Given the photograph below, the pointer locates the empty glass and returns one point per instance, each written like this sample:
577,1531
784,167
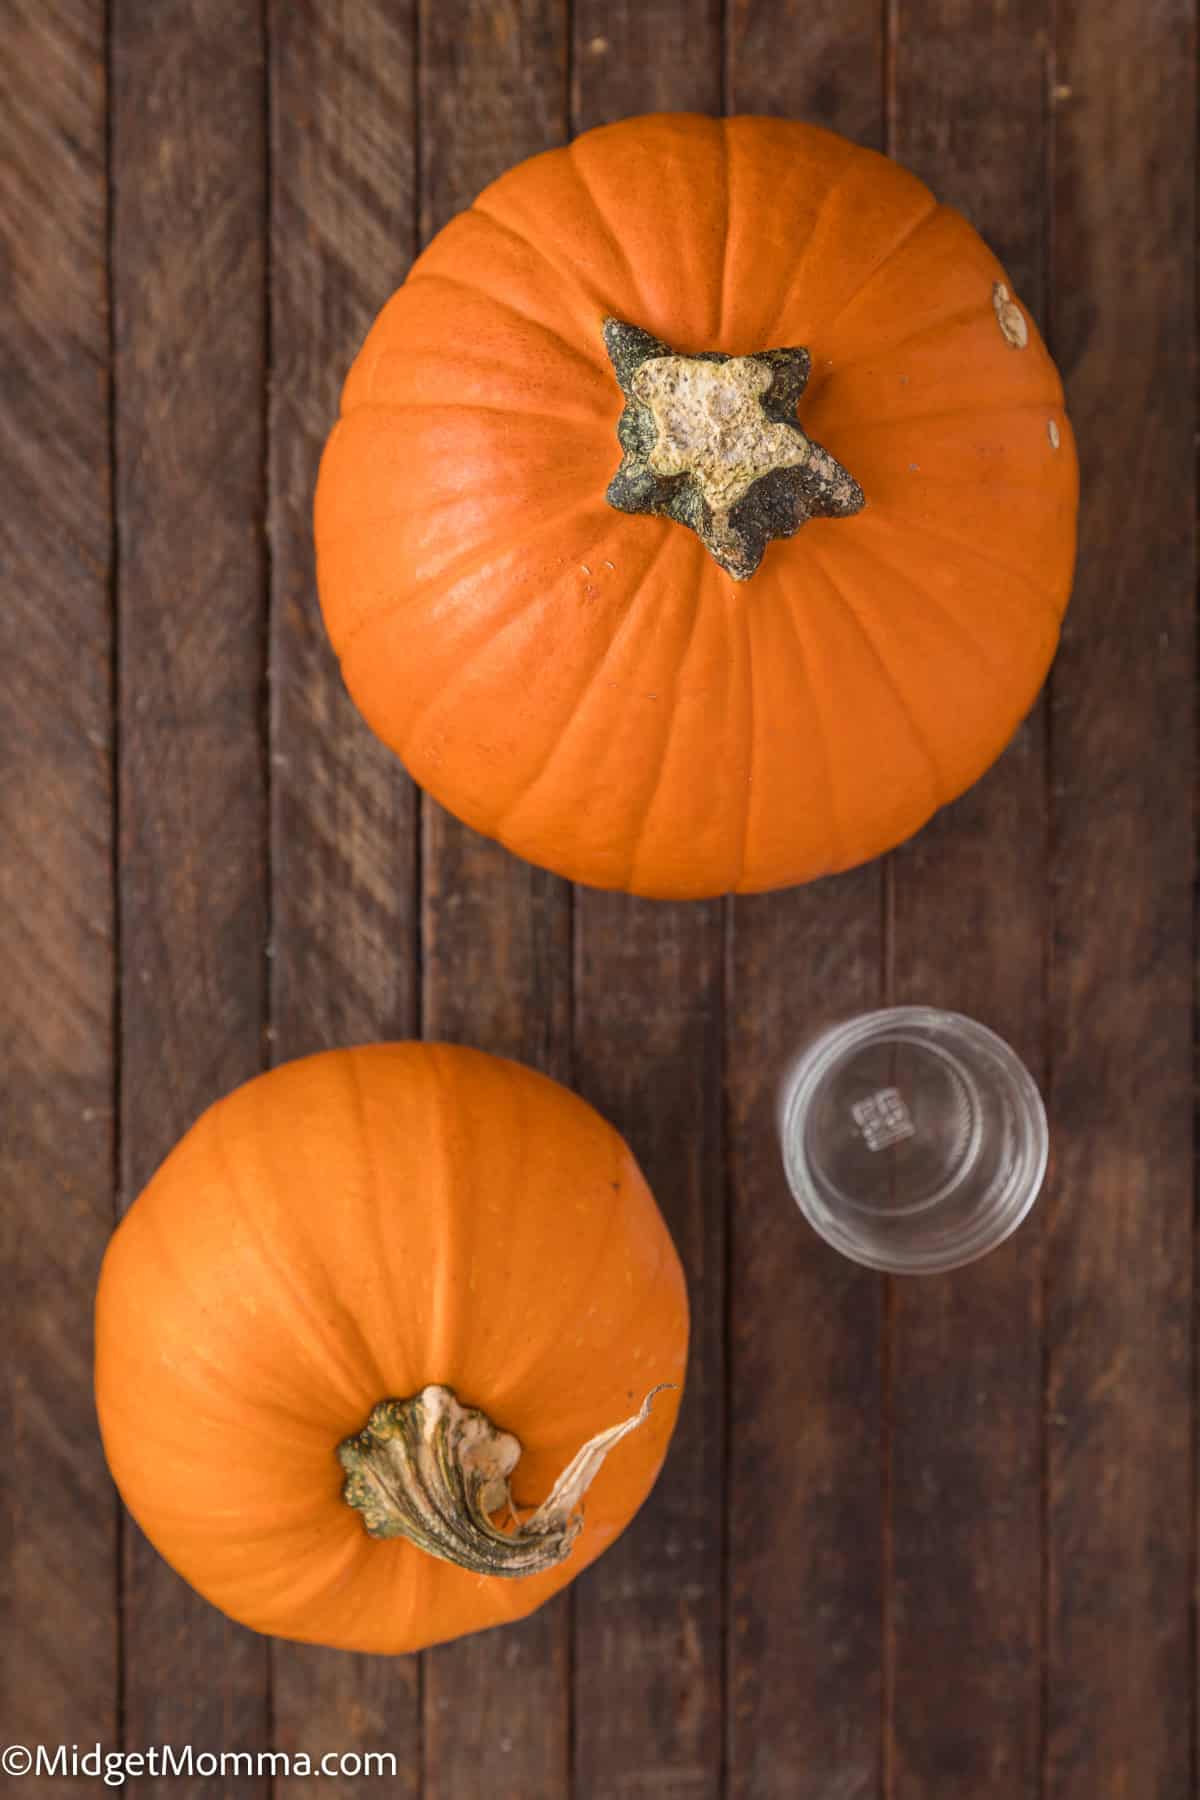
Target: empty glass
914,1140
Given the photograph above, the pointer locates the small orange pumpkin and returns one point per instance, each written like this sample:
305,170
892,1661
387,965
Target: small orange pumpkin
701,512
362,1292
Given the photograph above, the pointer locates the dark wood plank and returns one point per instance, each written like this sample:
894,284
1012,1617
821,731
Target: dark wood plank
496,932
343,838
57,972
343,812
1119,1300
806,1347
963,1661
188,289
823,63
807,1327
649,1616
642,56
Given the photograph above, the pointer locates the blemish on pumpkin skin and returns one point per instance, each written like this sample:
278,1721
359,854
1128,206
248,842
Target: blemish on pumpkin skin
1053,434
1009,317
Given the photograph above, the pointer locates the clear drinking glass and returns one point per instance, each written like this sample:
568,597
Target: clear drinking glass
914,1140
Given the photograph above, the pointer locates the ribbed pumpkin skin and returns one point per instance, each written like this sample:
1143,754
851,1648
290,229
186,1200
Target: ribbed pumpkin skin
346,1229
589,686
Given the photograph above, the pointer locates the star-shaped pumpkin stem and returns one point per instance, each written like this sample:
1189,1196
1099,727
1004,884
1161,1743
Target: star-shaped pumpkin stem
712,442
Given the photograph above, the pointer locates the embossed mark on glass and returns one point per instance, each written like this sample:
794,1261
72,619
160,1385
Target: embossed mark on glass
883,1119
914,1140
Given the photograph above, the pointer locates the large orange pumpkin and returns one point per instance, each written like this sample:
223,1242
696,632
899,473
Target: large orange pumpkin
806,598
305,1323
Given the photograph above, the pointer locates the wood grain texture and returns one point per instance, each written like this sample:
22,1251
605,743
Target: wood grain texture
804,1492
968,932
649,1614
648,1021
343,811
343,828
188,153
797,59
57,960
1119,1298
805,1495
642,56
496,932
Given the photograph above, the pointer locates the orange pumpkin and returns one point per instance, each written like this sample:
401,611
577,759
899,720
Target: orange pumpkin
804,601
362,1292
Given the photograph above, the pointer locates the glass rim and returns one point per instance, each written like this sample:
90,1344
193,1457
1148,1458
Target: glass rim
1017,1194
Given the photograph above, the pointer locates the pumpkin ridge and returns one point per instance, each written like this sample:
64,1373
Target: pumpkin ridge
646,806
567,275
966,315
916,226
301,1592
267,1603
504,1394
369,372
776,329
592,674
489,637
467,406
373,1191
268,1520
180,1271
216,1380
812,687
929,479
752,751
267,1511
610,232
896,421
443,1347
928,599
964,545
312,1334
438,587
918,737
463,563
494,299
346,1316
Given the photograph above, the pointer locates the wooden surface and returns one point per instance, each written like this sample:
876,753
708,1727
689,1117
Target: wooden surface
916,1540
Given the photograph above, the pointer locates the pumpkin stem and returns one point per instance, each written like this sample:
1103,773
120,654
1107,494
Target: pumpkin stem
712,442
435,1471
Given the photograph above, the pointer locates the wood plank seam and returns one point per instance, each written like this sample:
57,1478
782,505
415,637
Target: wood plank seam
1048,972
119,1202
